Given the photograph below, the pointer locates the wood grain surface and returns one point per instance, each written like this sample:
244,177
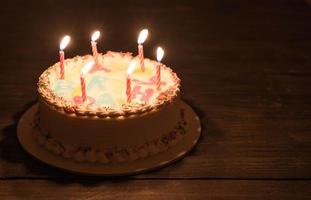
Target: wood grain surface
245,68
155,189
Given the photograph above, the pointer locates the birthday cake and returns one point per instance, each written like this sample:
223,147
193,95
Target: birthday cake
109,126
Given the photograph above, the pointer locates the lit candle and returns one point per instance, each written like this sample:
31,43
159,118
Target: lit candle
160,54
62,46
141,39
130,70
94,37
86,68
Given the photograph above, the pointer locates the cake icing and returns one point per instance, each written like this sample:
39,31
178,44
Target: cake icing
107,86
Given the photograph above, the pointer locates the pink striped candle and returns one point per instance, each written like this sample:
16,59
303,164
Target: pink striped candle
141,57
94,48
94,37
62,46
160,54
128,89
83,90
158,76
141,39
84,71
61,64
130,70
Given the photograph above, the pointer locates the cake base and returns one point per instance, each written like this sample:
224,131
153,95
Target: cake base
25,134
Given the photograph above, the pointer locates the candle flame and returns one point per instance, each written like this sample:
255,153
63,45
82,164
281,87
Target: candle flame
160,54
64,42
142,36
95,36
131,67
87,67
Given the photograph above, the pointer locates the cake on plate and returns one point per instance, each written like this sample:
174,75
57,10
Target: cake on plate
108,127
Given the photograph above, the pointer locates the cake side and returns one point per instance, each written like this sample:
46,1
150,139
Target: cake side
100,133
85,153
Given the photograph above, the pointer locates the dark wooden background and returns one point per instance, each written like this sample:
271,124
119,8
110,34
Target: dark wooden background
245,67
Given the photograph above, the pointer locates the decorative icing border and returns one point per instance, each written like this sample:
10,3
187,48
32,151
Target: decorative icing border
59,103
89,154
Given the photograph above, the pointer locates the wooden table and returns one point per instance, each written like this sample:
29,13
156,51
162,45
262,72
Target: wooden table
245,67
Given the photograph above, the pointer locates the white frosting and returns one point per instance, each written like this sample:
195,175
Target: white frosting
88,154
108,88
